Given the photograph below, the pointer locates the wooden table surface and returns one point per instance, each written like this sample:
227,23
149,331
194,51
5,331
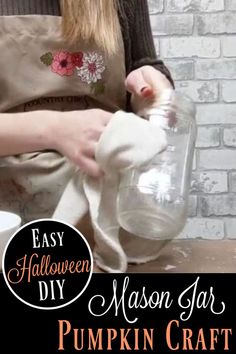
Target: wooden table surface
184,256
193,256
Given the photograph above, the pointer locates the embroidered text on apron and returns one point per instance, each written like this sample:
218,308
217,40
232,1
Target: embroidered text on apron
40,71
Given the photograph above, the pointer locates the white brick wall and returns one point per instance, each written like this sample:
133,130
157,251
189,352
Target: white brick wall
187,47
208,137
216,69
231,5
233,182
200,91
228,89
230,137
197,41
210,182
229,46
194,5
220,23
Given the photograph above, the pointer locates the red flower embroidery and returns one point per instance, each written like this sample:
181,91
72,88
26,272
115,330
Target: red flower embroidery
77,59
62,64
89,67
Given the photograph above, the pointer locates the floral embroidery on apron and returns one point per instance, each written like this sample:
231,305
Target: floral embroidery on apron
88,66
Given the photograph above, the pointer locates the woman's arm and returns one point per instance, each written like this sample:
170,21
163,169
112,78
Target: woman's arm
73,134
149,76
26,132
142,44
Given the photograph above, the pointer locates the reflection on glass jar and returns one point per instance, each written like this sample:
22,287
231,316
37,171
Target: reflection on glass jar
153,200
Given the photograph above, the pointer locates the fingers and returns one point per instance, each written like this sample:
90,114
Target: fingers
136,84
147,92
91,167
96,119
87,161
146,82
107,118
89,149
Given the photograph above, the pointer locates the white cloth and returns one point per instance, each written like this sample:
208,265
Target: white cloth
127,142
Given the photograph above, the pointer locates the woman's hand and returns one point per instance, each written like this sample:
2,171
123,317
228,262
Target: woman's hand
76,135
73,134
146,85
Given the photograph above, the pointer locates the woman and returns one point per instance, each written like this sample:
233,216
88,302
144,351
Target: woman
65,69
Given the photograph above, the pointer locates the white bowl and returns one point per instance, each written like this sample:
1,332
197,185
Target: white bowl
9,223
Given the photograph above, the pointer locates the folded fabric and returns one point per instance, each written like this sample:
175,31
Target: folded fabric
127,142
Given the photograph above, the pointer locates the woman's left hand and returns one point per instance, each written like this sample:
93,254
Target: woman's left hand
146,85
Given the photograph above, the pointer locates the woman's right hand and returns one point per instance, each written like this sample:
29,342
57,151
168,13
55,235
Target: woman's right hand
76,135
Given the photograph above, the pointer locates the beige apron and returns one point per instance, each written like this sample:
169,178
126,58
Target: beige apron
40,71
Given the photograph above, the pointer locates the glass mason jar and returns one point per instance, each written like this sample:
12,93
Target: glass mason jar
153,200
